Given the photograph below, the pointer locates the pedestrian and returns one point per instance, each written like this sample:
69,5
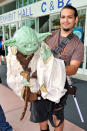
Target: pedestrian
4,125
2,68
72,53
2,51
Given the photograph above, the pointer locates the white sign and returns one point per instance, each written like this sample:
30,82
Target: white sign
37,9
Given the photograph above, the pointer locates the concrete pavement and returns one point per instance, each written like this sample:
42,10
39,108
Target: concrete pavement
13,107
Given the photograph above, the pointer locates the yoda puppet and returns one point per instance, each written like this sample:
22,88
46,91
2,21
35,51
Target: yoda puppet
23,54
32,69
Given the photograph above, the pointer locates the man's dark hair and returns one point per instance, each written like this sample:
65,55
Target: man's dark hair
72,8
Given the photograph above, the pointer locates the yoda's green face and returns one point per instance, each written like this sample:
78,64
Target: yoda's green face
26,40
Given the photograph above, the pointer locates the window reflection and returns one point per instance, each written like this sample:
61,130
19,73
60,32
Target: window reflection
44,24
13,29
25,2
30,23
6,29
55,22
7,36
81,25
86,57
1,33
81,22
21,3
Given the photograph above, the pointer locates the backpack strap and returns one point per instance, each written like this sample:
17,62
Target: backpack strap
62,44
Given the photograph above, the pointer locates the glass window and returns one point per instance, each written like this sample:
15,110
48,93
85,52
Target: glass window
44,24
23,22
55,22
7,36
80,27
6,29
30,23
1,33
9,7
32,1
0,10
19,24
38,0
13,29
17,4
20,3
25,2
86,57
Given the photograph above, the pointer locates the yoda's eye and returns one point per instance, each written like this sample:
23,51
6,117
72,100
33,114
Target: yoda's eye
25,46
34,43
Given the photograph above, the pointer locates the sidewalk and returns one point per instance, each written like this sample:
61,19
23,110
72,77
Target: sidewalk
80,77
13,107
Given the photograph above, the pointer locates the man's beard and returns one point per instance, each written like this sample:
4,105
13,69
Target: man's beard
66,29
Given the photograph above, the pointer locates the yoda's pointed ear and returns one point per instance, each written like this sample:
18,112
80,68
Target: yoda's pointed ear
42,36
10,42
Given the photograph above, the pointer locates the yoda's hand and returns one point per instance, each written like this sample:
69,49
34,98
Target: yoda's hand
45,52
25,75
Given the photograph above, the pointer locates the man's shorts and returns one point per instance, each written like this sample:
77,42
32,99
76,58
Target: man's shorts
2,52
42,110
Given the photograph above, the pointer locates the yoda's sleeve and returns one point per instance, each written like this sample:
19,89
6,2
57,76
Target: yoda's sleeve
14,80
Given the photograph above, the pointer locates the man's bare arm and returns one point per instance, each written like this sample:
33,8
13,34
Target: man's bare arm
73,67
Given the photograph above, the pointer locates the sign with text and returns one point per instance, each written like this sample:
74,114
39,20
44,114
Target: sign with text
34,10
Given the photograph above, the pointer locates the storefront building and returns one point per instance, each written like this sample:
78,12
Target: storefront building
43,16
